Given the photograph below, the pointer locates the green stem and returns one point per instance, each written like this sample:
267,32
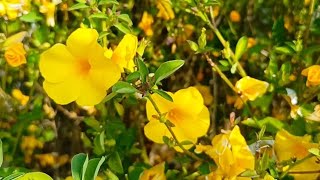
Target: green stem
4,77
171,131
311,9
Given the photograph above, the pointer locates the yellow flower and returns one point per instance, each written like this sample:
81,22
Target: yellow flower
231,154
187,112
313,74
251,42
235,16
48,8
288,146
15,54
154,173
251,88
84,73
17,94
146,23
125,51
11,9
165,9
46,160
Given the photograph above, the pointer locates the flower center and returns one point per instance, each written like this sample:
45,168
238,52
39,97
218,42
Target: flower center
174,115
83,67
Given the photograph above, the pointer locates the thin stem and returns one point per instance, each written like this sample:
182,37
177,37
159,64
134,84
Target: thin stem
4,77
311,9
171,131
222,75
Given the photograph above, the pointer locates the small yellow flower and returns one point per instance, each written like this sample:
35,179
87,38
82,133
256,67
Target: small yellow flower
46,160
251,88
11,9
125,51
288,146
154,173
190,123
235,16
85,74
48,8
231,154
313,75
146,23
17,94
251,42
165,9
15,55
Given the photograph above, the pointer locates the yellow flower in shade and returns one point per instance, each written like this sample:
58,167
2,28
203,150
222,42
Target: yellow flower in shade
154,173
146,23
48,8
251,88
165,9
231,154
313,75
15,54
125,51
206,94
85,74
187,112
235,16
11,9
17,94
288,146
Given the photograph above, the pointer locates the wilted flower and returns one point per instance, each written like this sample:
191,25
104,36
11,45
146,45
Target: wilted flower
231,154
146,23
124,52
154,173
288,146
313,75
15,54
85,74
189,123
251,88
17,94
165,9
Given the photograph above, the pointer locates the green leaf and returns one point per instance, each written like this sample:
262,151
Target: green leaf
103,34
123,28
114,162
93,123
35,176
234,68
166,140
241,47
186,142
110,175
133,76
166,69
14,176
204,168
284,50
224,63
109,97
99,16
125,18
278,31
93,168
1,153
144,72
194,46
99,144
77,165
163,94
102,2
315,151
78,6
123,88
31,17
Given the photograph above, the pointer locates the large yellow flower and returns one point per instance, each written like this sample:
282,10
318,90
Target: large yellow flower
125,51
154,173
78,71
251,88
288,146
231,154
313,74
187,112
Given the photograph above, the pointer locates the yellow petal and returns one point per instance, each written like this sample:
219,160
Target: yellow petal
63,92
187,98
56,64
163,105
154,173
155,130
16,38
165,9
251,88
125,51
202,122
82,41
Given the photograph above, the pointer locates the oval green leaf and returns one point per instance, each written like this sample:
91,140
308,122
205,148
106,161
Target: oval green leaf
166,69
